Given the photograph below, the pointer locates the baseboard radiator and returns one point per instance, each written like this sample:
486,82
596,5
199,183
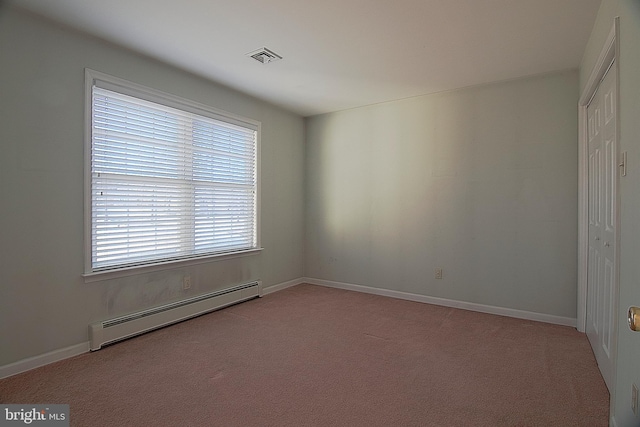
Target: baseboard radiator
123,327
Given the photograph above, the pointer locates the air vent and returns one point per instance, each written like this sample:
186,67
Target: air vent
264,55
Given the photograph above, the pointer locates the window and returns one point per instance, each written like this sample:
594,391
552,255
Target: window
168,179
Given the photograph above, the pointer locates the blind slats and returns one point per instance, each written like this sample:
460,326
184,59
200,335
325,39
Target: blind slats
167,184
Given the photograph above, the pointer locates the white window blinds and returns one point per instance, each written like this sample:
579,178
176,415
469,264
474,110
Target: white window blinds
167,183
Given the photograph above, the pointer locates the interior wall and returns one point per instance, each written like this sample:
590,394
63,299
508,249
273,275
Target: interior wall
481,182
628,350
44,303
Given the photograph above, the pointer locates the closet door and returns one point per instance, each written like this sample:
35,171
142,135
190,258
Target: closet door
603,176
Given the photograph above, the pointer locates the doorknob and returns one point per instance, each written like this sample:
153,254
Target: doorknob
597,238
634,318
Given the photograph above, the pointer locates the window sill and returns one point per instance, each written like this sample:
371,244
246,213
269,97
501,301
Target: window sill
149,268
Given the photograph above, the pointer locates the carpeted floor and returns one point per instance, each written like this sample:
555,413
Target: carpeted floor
314,356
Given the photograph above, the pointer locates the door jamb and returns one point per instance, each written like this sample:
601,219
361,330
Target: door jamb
609,53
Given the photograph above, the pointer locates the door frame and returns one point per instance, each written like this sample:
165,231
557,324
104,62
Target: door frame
608,54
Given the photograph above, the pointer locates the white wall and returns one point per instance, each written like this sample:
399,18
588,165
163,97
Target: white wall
44,303
628,351
481,182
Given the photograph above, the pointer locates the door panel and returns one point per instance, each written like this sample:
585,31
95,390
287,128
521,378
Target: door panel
607,307
602,204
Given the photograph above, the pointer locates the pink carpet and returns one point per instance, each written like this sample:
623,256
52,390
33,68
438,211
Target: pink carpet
314,356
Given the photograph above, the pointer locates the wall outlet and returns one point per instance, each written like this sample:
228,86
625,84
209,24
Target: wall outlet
186,282
634,399
438,273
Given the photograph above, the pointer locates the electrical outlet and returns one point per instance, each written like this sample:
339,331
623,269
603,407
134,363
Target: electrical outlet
186,282
634,399
438,273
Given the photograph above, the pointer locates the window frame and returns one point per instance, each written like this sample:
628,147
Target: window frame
125,87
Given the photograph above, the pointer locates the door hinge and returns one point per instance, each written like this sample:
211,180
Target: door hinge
623,164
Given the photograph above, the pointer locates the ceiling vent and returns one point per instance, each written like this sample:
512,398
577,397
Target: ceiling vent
264,55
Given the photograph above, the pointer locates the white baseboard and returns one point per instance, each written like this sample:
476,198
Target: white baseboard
43,359
501,311
65,353
75,350
280,286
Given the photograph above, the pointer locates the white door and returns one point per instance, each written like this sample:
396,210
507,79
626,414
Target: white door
603,178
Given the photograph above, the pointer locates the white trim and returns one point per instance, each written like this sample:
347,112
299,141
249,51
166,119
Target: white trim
43,359
154,95
78,349
583,225
607,55
88,87
165,265
501,311
613,421
75,350
123,86
281,286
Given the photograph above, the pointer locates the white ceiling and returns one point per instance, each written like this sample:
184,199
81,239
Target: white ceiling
340,54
